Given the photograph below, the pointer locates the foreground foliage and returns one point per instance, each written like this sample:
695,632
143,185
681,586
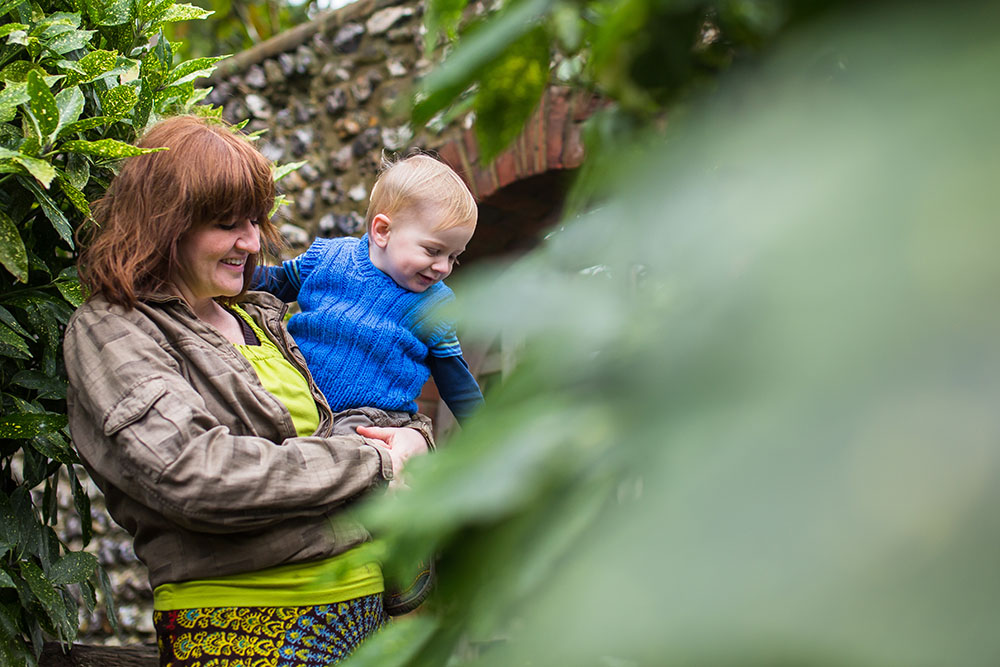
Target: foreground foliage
79,82
754,416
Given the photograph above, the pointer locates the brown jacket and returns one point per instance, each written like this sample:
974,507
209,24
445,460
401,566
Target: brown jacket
195,458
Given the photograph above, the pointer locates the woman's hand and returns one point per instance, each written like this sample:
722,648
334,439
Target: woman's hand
403,443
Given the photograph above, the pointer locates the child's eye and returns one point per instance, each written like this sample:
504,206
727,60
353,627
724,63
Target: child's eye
433,252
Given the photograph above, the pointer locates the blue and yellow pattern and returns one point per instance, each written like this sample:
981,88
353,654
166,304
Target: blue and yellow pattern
308,636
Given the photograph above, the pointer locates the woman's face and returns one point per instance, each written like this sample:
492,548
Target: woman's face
211,259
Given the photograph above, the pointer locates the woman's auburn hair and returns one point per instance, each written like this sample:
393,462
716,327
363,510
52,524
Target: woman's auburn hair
208,174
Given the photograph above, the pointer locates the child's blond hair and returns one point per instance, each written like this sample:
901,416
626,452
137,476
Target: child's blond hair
418,182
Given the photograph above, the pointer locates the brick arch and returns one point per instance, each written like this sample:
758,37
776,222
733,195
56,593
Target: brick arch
552,140
521,192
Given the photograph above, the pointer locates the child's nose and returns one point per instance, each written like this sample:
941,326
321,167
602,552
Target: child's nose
442,265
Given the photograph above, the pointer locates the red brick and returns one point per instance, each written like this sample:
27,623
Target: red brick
573,149
486,182
558,111
506,168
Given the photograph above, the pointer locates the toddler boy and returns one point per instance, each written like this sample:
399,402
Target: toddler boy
369,326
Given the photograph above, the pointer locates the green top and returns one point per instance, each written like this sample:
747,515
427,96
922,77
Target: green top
280,378
345,577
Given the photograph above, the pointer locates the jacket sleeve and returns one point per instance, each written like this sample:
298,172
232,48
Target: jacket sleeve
142,427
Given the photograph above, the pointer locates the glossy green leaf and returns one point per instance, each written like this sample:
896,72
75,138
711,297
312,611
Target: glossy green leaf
17,71
149,10
113,13
10,529
183,13
77,198
8,28
95,64
26,425
280,171
47,595
108,148
68,284
13,95
152,71
77,170
73,568
46,386
81,502
85,124
43,171
52,211
118,101
54,446
5,580
12,253
12,344
70,41
70,103
109,597
44,110
6,317
192,69
142,109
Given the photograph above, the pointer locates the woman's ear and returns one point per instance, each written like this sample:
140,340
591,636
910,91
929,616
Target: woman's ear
379,230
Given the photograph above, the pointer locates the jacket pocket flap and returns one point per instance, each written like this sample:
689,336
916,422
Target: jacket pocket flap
133,404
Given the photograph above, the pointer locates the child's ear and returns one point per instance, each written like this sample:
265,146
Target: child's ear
379,230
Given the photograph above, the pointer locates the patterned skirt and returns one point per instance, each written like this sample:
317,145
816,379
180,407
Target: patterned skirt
266,636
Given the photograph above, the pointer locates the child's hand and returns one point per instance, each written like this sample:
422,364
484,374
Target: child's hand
403,443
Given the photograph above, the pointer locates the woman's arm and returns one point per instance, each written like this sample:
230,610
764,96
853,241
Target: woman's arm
139,423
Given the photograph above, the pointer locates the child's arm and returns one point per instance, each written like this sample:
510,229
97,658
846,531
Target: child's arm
282,281
455,383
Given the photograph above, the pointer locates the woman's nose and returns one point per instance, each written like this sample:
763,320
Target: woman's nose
249,240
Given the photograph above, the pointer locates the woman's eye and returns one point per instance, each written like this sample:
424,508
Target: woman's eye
226,227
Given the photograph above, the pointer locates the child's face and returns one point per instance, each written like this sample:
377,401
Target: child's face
415,254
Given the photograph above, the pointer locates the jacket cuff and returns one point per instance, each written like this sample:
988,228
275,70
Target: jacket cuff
422,424
385,461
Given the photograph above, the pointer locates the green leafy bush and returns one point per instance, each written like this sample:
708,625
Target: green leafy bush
80,80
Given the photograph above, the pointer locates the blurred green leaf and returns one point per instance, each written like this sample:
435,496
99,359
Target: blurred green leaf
510,90
470,58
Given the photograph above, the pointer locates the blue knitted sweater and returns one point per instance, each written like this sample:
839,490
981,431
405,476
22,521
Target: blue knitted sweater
365,338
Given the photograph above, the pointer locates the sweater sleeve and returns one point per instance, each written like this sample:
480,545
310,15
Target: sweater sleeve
457,386
282,281
141,426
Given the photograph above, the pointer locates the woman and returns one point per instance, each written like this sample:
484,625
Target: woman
195,413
